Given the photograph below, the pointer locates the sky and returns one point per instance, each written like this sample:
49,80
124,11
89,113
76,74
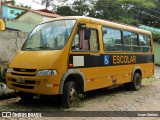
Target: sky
34,5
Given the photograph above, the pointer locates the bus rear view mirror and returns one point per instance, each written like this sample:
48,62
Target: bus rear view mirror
87,33
82,26
104,32
2,26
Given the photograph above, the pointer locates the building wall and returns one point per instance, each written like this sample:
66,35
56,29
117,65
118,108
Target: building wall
31,18
46,19
11,13
156,53
10,43
24,27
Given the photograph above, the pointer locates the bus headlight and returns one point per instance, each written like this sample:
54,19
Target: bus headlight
9,70
46,72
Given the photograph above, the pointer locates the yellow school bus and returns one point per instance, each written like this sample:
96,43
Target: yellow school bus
69,55
2,26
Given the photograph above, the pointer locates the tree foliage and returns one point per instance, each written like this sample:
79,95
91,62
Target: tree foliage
65,11
156,37
13,2
80,8
47,3
132,12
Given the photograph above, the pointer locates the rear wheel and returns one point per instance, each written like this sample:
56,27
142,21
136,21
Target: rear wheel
69,96
26,96
135,84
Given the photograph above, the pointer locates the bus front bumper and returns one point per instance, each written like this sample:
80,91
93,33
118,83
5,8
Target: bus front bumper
46,85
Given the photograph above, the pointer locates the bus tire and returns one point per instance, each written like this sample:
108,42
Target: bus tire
135,84
69,96
26,96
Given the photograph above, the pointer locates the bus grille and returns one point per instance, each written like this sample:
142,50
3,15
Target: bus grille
23,86
25,81
20,74
24,72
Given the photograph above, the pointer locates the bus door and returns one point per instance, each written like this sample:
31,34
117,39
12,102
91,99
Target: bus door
85,55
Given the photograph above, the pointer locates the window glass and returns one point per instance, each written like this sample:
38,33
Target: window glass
93,40
50,35
130,38
89,43
12,11
144,40
76,42
145,43
112,39
130,41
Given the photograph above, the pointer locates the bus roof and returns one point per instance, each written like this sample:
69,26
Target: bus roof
107,23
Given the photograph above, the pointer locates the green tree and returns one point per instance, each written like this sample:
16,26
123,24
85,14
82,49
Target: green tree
80,7
132,12
156,12
65,11
47,3
140,10
13,2
127,11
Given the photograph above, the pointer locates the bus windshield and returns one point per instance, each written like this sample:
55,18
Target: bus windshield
49,36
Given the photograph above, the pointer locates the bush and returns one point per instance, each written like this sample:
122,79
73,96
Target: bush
156,37
2,79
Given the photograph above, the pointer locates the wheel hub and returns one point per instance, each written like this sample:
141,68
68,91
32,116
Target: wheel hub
72,95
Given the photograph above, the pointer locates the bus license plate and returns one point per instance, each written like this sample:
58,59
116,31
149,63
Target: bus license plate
20,80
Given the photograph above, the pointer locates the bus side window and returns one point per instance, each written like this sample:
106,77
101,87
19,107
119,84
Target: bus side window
76,42
93,40
130,41
85,40
145,43
112,39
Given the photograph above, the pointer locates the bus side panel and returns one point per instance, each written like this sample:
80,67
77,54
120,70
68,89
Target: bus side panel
99,75
147,70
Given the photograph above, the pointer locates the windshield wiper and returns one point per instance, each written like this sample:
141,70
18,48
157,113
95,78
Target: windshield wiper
35,48
44,48
28,49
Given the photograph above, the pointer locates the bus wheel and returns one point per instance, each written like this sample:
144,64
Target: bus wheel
26,96
135,84
69,96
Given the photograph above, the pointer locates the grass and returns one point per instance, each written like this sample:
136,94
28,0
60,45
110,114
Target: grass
79,99
149,80
157,54
2,79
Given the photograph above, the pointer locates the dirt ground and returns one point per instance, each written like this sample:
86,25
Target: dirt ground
117,99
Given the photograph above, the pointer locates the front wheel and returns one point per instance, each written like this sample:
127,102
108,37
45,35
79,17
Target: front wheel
135,84
69,96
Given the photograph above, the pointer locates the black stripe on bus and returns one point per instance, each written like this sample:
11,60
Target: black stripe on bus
99,60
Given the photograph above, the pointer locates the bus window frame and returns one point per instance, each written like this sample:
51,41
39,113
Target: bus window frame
131,45
122,40
98,40
49,22
151,46
115,44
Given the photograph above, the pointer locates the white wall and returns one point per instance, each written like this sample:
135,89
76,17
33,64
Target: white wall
10,43
46,19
